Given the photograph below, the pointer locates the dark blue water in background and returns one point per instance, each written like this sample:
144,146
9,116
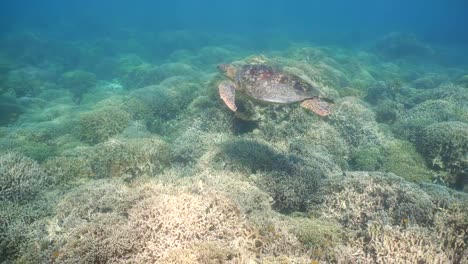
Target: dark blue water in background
345,22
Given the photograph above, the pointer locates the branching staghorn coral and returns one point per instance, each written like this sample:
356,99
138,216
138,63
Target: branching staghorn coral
391,221
20,177
99,125
445,146
356,124
358,198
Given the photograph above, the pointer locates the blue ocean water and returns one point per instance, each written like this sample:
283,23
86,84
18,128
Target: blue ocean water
240,131
436,20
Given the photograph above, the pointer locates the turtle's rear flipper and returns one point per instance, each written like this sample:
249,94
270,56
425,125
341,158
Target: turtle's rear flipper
317,105
227,91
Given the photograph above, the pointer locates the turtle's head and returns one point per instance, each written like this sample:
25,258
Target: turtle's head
228,69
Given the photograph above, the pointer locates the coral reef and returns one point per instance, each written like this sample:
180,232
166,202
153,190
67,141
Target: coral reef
384,209
401,158
21,178
103,197
138,76
357,125
158,104
116,158
99,214
10,110
18,220
28,81
382,91
103,240
388,111
249,156
315,232
445,146
396,245
358,198
368,159
113,224
25,196
101,124
210,218
78,82
400,45
463,81
428,81
189,146
413,121
119,150
130,158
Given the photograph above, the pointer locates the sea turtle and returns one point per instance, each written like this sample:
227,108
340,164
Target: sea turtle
269,84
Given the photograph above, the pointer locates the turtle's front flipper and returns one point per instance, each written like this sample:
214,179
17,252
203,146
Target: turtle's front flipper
227,91
317,105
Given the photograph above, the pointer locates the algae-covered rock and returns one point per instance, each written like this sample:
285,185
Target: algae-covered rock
82,227
322,140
